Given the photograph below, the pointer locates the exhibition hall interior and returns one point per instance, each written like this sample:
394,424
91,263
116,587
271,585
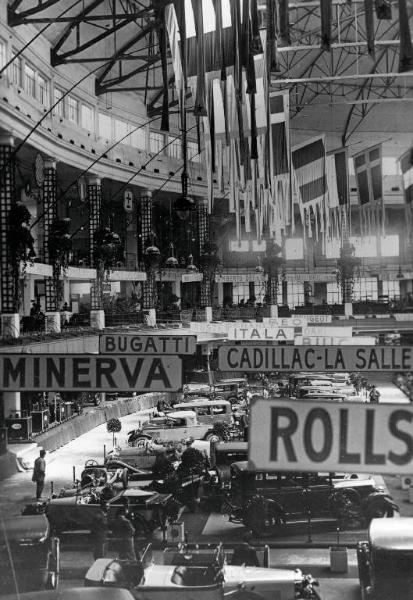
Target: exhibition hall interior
206,299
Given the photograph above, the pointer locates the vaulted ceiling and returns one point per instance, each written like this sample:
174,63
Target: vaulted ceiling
349,89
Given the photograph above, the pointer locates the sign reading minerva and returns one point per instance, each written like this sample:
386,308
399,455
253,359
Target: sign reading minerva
325,436
121,343
54,372
315,358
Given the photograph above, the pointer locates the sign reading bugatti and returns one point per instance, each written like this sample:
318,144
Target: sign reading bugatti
146,344
315,358
54,372
327,436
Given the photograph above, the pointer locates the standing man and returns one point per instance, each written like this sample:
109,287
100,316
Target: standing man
123,532
39,473
99,532
374,394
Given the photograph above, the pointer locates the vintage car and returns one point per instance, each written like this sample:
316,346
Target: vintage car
178,426
191,391
29,554
264,501
207,411
74,593
236,581
148,510
232,390
385,560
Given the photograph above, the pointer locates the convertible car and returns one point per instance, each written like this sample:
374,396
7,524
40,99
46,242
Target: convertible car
147,509
256,582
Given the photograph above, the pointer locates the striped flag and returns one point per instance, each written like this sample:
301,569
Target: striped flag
309,163
368,172
406,165
279,120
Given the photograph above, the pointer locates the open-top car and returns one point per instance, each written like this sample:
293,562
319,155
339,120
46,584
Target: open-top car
264,501
147,509
29,555
237,581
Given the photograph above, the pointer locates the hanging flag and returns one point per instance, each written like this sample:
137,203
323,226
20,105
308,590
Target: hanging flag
369,19
279,166
338,191
406,165
406,48
383,9
368,173
309,164
325,7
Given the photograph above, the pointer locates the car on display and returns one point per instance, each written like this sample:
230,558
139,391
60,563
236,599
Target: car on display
232,390
74,593
207,411
191,391
148,510
179,426
29,554
309,392
218,483
265,501
196,576
385,560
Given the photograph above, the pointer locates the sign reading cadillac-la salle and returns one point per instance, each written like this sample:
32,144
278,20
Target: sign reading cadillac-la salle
54,372
315,358
121,343
331,436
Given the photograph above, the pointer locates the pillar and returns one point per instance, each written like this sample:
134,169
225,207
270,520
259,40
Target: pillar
94,200
146,231
8,271
272,294
52,321
204,237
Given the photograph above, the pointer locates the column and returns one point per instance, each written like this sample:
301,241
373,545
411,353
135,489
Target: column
272,292
149,286
94,200
9,271
52,322
204,238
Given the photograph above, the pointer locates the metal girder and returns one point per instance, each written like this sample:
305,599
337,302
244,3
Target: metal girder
85,17
121,78
156,97
157,110
14,18
101,85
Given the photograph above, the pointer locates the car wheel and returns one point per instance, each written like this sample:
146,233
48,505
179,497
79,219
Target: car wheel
262,517
213,437
347,505
140,442
125,478
380,508
233,399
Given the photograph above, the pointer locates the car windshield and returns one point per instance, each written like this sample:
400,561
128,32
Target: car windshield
227,458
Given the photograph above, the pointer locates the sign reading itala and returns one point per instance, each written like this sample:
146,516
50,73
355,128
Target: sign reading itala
54,372
315,358
130,343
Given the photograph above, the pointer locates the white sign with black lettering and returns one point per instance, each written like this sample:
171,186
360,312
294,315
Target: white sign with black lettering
328,331
315,358
94,373
129,343
331,436
310,340
260,333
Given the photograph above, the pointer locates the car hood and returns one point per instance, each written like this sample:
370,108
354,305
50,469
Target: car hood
160,575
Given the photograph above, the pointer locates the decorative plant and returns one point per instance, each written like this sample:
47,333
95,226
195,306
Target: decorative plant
113,426
273,259
60,243
209,260
346,266
107,245
20,242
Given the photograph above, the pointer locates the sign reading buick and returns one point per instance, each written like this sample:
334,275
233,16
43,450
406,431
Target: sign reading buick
315,358
330,436
54,372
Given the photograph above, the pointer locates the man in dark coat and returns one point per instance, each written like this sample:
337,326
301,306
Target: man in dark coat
39,473
123,532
